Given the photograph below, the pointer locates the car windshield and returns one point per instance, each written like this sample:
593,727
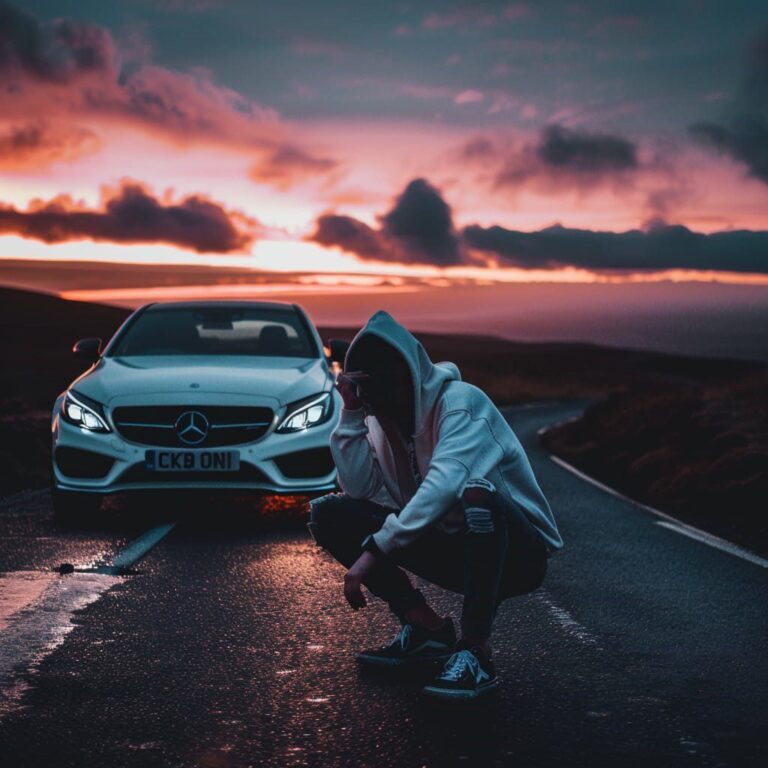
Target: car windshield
215,331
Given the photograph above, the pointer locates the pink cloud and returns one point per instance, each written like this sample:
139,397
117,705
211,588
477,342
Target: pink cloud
39,144
71,72
469,96
503,102
289,165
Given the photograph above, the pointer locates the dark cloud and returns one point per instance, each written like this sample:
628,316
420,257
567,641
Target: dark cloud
351,235
745,140
582,152
59,52
558,158
661,247
70,70
743,133
418,229
421,224
288,165
132,214
37,145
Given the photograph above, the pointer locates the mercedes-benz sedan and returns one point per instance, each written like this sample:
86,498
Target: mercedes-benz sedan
197,395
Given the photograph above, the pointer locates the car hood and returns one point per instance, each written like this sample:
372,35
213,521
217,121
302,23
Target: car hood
283,378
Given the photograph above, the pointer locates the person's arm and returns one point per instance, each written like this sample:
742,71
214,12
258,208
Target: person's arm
358,471
465,448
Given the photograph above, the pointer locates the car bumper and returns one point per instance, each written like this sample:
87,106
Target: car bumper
273,464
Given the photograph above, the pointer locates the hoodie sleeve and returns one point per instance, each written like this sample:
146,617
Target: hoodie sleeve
465,448
357,467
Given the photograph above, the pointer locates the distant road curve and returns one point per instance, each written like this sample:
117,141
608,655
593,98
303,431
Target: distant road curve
667,521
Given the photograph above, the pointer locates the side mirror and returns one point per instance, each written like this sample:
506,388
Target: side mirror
339,349
90,349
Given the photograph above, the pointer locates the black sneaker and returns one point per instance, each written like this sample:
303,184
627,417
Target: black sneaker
466,675
413,644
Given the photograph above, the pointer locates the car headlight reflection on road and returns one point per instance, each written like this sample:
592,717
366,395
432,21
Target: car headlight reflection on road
307,413
81,411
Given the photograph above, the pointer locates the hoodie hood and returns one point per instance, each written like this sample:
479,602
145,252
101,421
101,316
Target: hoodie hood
428,377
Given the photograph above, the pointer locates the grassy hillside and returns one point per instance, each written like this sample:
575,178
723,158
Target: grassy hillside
699,452
36,347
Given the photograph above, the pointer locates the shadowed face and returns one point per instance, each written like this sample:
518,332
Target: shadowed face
389,391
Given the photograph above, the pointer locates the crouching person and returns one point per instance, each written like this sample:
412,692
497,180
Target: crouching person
458,505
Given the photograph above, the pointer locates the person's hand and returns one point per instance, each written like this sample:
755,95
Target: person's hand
346,383
353,579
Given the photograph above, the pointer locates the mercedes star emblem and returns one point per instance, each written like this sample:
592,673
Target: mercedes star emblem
192,427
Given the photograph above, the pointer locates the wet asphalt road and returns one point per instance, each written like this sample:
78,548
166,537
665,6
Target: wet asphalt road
232,645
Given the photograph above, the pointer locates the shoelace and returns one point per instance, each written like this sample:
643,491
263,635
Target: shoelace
456,665
402,636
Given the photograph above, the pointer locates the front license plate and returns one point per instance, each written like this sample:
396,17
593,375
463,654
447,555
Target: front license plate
193,461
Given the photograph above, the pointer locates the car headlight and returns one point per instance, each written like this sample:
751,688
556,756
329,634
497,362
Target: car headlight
308,412
81,411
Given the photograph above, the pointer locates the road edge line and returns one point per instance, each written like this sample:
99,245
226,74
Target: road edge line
673,523
714,541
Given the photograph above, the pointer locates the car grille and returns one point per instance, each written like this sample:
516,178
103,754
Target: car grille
219,425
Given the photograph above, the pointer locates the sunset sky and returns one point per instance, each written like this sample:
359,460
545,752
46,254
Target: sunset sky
422,141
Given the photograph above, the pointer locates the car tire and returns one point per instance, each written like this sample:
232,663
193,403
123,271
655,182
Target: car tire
72,509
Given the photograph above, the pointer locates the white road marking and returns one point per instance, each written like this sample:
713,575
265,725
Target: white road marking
560,423
39,609
714,541
526,406
567,623
140,546
672,522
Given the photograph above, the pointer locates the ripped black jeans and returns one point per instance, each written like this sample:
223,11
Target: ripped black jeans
497,554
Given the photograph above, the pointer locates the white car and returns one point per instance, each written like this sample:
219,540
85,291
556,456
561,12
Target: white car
198,395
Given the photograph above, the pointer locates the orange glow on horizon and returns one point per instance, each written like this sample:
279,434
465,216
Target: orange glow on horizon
327,285
183,292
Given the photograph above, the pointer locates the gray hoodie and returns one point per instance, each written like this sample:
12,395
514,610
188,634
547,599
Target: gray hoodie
459,434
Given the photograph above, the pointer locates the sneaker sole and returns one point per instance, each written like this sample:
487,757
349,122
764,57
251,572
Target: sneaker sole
458,693
379,661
